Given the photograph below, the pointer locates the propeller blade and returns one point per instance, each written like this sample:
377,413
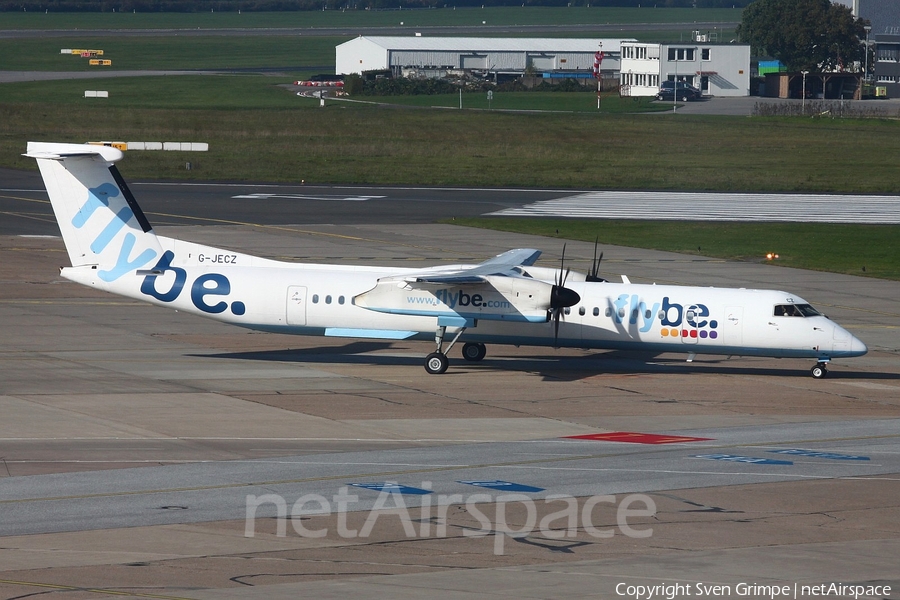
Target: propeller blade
556,328
594,273
562,266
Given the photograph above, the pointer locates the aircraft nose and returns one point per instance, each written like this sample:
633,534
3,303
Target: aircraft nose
857,346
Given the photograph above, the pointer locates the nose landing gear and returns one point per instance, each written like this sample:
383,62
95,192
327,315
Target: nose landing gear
820,370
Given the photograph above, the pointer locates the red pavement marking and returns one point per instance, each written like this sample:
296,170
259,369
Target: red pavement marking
637,438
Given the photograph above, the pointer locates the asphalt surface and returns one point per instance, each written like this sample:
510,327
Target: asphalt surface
132,437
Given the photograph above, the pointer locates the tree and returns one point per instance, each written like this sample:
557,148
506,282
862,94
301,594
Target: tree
808,35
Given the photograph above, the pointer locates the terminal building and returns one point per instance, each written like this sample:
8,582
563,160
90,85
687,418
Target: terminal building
435,57
715,69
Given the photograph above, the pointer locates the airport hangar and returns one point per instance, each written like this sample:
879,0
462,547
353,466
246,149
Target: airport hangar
717,69
435,57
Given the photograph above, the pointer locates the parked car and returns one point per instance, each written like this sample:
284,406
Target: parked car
683,91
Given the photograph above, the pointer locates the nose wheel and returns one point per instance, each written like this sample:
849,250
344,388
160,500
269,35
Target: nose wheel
436,363
819,371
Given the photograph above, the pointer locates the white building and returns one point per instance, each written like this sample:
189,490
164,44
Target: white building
436,55
716,69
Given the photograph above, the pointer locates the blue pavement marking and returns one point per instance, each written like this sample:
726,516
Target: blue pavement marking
743,459
392,488
506,486
815,454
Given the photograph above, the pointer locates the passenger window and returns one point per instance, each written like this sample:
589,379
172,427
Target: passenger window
327,299
581,311
315,298
596,312
340,299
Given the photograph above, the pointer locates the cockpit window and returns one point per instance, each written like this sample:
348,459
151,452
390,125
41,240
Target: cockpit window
795,310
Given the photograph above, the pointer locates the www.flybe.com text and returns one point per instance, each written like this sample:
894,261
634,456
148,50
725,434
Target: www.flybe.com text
454,299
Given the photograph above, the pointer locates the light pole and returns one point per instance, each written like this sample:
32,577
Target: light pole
803,93
868,28
675,86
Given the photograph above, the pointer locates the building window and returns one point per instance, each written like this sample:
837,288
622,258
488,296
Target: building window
887,79
682,54
627,52
887,53
704,54
641,52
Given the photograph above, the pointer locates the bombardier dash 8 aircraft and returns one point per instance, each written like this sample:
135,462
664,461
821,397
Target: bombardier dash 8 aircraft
504,300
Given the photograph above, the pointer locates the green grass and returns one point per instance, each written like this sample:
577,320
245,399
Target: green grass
347,143
221,92
548,101
172,53
333,18
871,250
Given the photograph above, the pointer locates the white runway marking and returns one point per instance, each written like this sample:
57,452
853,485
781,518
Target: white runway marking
330,198
689,206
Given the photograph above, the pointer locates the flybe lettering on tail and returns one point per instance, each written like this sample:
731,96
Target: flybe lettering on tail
204,289
99,197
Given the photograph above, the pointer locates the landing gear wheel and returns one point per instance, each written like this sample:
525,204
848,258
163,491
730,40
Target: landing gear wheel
473,352
819,371
436,363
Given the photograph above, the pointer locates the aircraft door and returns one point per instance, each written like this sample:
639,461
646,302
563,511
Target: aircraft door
296,305
733,328
689,332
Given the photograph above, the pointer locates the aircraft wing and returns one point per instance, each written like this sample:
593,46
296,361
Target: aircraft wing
501,265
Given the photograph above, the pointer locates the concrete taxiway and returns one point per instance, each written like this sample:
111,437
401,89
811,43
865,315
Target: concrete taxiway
131,437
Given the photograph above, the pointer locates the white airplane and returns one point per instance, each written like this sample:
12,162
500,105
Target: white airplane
504,300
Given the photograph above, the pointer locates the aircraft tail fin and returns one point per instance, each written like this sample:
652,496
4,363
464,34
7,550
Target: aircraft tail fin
101,223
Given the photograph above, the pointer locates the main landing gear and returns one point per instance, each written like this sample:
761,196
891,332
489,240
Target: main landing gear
437,362
820,370
473,352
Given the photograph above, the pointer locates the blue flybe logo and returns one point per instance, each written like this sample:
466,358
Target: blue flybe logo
676,320
99,197
204,291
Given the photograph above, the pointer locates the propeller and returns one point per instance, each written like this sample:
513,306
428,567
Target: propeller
561,297
595,264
